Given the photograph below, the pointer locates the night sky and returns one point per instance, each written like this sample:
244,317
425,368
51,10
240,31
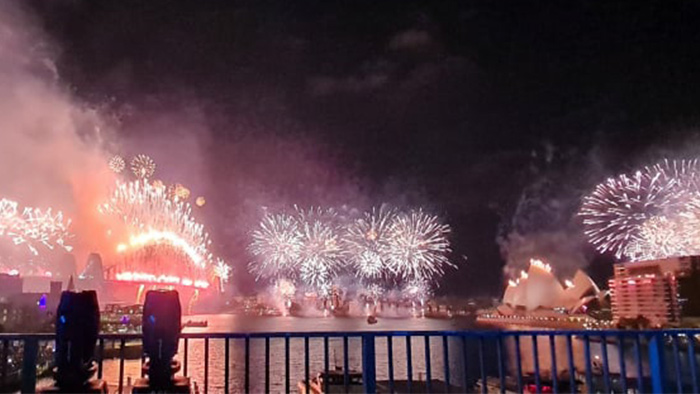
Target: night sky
496,115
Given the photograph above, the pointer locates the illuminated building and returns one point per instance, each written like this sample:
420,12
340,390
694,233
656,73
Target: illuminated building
538,298
650,289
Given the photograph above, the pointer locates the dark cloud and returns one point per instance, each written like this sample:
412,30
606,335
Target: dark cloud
411,39
323,86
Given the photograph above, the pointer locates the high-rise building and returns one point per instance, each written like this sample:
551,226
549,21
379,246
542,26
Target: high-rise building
650,289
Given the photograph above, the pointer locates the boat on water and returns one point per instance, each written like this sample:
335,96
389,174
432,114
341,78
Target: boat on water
196,323
335,381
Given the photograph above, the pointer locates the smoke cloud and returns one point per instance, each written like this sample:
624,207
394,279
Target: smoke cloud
544,223
50,154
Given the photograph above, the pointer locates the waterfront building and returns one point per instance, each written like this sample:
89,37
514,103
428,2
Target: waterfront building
10,285
655,290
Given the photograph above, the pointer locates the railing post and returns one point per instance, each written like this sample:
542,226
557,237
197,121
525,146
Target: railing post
31,348
369,375
656,362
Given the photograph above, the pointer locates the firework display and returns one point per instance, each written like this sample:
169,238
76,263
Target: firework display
157,241
223,272
367,243
117,164
417,290
372,292
381,247
143,167
276,245
160,231
36,229
321,253
685,172
178,191
651,214
419,246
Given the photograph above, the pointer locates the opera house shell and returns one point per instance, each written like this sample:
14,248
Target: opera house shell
539,295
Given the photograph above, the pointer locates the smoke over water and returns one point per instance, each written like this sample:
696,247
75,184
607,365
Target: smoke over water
50,154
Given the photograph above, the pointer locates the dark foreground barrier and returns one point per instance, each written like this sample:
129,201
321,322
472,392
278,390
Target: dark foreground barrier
418,361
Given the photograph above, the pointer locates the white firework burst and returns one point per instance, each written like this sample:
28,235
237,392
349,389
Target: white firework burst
367,243
117,164
615,211
685,172
143,167
418,248
222,271
34,228
417,290
321,254
276,247
661,237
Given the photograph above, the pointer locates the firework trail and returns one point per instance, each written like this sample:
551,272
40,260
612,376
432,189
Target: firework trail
366,243
143,167
276,247
159,230
117,164
223,272
616,210
283,292
685,172
34,228
418,247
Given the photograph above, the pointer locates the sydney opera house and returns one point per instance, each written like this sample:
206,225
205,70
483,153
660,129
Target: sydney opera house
538,298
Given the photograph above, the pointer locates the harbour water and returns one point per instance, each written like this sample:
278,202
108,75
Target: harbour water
456,352
238,323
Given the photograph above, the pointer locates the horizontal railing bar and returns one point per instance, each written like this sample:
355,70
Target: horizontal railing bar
340,334
657,342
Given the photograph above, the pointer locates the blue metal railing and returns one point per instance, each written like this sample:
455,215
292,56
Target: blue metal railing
401,361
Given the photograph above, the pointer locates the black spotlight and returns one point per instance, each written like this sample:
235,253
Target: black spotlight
77,327
161,334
